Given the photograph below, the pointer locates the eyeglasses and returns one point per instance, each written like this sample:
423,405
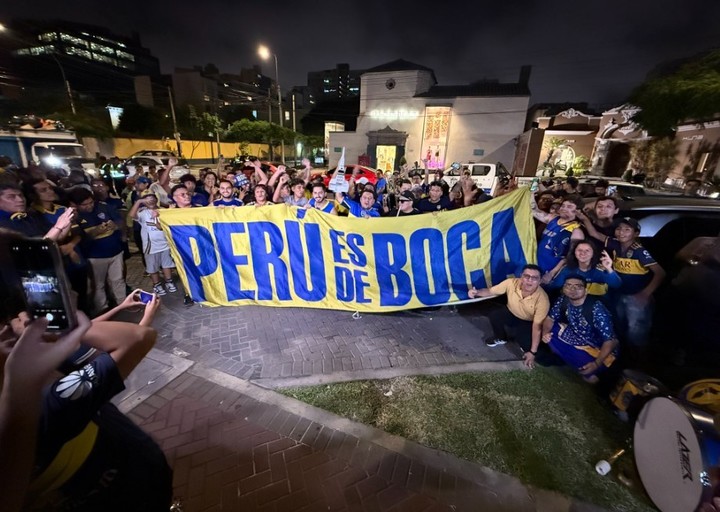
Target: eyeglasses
574,286
530,277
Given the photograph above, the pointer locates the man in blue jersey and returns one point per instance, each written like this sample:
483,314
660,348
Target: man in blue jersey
362,209
227,195
102,245
560,230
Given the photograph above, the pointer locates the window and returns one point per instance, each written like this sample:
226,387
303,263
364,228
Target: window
95,47
76,41
36,50
480,170
71,50
50,36
104,58
127,56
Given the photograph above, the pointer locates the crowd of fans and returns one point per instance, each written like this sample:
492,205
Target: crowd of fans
589,300
93,218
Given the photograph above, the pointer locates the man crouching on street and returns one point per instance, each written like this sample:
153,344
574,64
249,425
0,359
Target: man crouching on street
579,329
522,318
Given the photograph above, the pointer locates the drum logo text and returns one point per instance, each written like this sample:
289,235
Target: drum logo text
684,452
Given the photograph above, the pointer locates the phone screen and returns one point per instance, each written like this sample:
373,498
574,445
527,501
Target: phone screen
145,297
42,277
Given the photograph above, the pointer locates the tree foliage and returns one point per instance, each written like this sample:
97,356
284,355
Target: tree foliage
692,92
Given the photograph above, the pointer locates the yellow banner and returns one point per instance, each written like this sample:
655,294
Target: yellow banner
279,256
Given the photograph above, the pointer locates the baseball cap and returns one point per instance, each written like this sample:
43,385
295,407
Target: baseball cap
406,196
241,181
362,180
633,223
143,179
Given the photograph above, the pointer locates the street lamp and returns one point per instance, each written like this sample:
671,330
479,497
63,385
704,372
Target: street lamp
265,53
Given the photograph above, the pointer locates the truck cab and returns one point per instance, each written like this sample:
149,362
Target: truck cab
485,176
58,149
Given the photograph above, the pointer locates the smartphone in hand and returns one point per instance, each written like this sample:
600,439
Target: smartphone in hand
145,297
40,267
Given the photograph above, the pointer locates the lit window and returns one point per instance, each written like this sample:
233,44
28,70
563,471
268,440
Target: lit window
36,50
50,36
71,50
74,40
125,55
104,58
101,48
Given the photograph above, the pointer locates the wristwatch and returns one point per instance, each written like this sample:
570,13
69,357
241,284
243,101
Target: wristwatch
533,353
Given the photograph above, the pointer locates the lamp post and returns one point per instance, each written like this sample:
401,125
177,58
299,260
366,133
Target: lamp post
265,54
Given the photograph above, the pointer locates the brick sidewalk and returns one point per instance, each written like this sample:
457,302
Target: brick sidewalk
232,451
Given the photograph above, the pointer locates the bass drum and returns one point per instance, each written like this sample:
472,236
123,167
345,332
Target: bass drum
632,390
677,454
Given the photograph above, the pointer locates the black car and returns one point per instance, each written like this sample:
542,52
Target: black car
669,223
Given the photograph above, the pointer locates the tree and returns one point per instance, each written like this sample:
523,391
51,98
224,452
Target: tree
691,92
139,120
656,157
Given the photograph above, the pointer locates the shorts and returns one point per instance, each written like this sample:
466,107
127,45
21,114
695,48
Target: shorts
156,261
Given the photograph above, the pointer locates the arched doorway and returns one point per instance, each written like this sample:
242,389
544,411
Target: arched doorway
617,160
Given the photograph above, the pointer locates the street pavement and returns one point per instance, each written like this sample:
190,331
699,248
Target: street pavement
205,393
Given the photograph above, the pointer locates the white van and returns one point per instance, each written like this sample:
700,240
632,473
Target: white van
485,176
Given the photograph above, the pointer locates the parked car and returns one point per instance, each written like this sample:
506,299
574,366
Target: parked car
622,188
362,172
161,156
669,223
141,164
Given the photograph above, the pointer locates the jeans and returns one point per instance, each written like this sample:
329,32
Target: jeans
634,320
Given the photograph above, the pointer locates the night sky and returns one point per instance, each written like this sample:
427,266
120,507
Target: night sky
595,52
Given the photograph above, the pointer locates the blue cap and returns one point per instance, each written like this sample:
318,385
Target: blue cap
143,179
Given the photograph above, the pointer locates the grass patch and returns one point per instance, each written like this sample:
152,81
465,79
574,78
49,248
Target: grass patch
545,427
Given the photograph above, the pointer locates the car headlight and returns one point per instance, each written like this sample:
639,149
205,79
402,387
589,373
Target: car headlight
53,161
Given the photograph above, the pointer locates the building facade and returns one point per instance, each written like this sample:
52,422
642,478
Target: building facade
405,117
91,59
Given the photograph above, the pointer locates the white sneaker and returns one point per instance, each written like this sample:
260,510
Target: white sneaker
170,286
494,342
158,288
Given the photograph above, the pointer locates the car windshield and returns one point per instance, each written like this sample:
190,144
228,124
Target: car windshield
63,151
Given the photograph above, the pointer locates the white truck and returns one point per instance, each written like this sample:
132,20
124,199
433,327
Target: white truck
57,149
485,176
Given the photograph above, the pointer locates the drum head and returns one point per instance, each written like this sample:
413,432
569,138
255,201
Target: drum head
668,456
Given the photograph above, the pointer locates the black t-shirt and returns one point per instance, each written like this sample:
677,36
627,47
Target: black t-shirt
29,224
425,205
122,467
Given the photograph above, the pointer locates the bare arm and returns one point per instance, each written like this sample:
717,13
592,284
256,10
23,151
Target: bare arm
136,207
590,228
657,279
62,226
260,174
482,292
605,349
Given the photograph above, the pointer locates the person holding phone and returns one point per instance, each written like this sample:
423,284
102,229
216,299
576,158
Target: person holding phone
102,244
62,443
